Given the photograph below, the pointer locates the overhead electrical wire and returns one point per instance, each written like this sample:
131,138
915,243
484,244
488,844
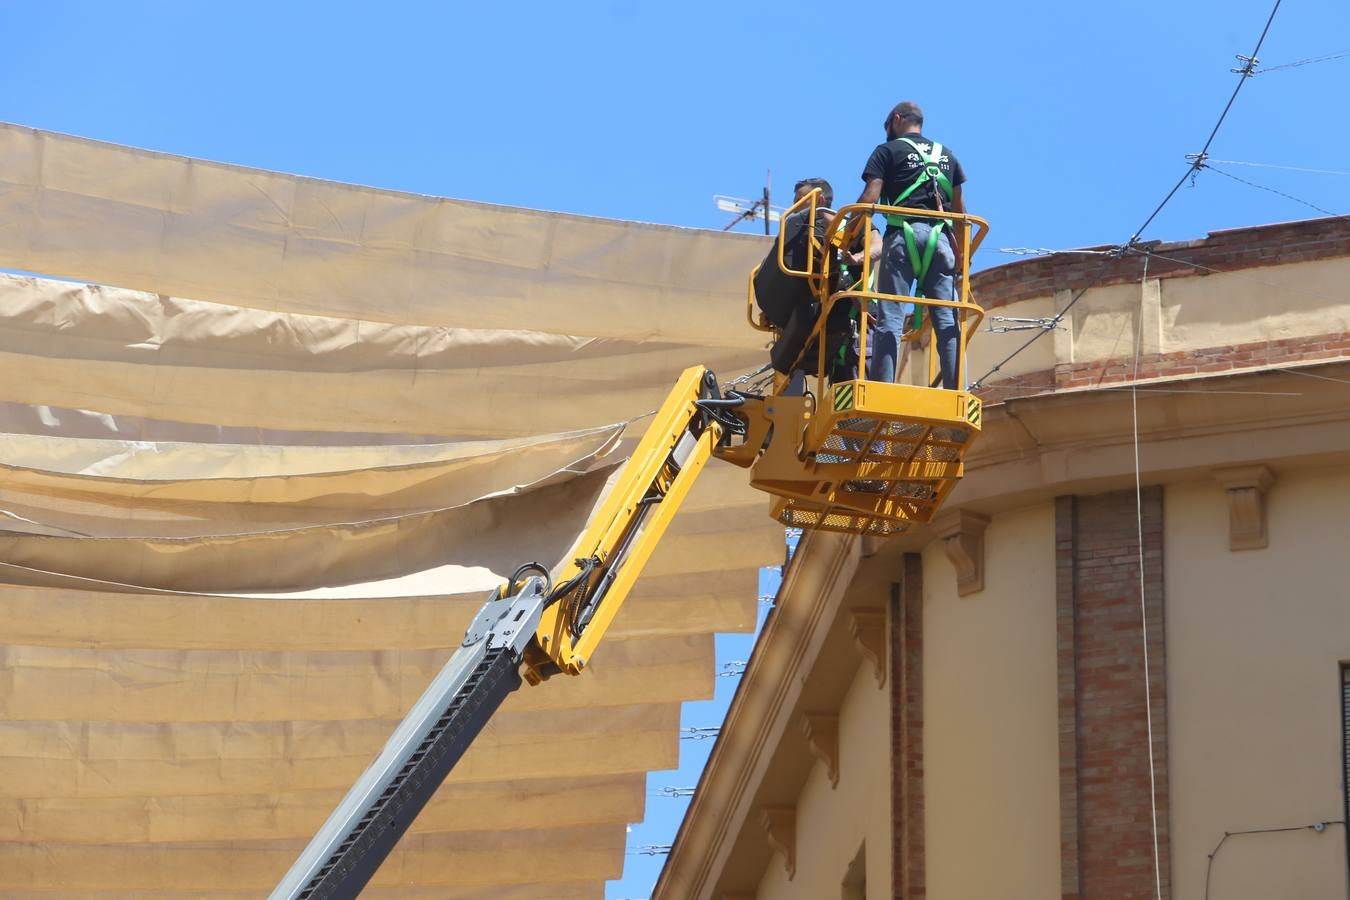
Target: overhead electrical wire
1243,74
1145,390
1046,251
1210,165
1318,377
1239,162
1342,54
979,382
1143,590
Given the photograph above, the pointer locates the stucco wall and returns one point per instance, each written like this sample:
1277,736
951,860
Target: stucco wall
1255,304
832,823
1184,314
1254,645
991,752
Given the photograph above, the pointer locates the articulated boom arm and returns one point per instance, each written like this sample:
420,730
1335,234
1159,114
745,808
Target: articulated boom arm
857,456
621,536
528,624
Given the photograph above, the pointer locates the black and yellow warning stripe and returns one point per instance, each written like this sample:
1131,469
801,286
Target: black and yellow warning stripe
843,397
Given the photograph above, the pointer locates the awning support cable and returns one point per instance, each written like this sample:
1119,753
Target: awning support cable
1143,596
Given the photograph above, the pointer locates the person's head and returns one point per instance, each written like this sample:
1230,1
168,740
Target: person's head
904,118
807,185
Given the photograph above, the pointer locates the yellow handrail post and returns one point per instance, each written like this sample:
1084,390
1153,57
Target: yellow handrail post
864,307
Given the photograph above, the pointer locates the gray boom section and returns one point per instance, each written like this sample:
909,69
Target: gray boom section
359,834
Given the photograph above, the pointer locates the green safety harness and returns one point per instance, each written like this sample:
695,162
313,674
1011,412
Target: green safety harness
930,172
841,358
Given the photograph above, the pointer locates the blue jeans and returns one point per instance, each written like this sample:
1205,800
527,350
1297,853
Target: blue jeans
895,276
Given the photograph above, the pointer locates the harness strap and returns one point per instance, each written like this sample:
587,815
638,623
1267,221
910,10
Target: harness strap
931,171
920,263
854,315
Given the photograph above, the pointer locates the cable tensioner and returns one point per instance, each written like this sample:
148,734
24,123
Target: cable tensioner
1020,323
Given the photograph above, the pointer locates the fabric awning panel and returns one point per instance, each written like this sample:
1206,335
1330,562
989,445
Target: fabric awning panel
184,227
256,480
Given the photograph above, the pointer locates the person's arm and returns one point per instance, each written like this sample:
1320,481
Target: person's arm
874,173
958,201
873,176
855,257
871,192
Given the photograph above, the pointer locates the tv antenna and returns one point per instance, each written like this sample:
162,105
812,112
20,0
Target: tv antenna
750,210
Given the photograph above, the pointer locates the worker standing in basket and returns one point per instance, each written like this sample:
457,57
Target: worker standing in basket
911,170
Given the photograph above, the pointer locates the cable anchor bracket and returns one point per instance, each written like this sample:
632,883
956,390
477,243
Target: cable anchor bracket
1021,323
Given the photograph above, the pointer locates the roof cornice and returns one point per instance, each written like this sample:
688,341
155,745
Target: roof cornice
760,713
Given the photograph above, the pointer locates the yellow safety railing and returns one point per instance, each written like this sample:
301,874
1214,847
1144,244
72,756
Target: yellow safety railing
864,456
811,205
843,232
849,223
755,321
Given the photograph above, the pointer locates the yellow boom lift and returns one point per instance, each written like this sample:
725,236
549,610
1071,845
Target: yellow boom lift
855,456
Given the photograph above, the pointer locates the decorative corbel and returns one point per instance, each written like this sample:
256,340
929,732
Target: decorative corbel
822,739
963,542
780,827
868,627
1246,488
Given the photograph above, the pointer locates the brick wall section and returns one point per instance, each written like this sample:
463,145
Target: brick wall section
906,681
1206,360
1226,358
1107,846
1067,662
1224,251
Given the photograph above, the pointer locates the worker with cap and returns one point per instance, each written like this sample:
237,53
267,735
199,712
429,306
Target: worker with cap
911,170
787,302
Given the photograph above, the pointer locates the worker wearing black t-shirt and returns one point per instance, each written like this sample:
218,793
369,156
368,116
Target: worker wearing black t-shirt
906,172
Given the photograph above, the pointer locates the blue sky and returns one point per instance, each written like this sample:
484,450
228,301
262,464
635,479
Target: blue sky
1072,119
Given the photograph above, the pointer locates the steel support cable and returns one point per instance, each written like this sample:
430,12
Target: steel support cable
1200,391
1121,388
1054,320
1210,165
1143,595
1243,75
1318,827
1316,376
1258,165
1341,54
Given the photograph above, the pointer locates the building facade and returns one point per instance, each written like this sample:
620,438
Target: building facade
1116,665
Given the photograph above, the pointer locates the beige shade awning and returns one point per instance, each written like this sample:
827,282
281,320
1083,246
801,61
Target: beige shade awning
257,478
